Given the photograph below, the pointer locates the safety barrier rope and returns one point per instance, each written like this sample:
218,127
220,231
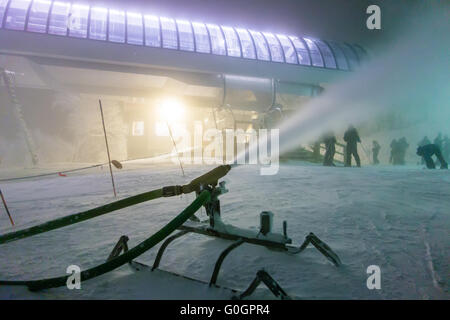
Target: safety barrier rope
110,265
51,173
80,169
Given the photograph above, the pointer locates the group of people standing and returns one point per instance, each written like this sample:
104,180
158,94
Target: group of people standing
440,148
351,137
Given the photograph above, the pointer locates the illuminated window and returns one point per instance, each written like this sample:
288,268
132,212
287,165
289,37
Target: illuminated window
169,33
138,128
316,58
17,14
78,21
217,40
248,50
302,51
135,30
59,18
275,49
97,29
262,50
201,37
116,30
152,31
289,52
233,46
37,20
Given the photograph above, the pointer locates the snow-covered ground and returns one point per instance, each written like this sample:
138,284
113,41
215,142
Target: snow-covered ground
395,217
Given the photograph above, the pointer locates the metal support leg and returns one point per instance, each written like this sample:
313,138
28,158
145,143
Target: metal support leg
164,246
220,260
324,249
120,246
263,276
321,246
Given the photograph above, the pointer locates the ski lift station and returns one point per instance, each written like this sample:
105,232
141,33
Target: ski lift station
66,55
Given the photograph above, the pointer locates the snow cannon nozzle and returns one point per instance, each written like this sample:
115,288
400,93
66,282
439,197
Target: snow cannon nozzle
210,178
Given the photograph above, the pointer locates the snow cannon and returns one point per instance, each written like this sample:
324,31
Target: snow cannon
208,180
264,236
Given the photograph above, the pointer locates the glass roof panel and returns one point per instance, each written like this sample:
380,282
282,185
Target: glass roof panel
248,49
185,35
97,28
169,33
289,52
276,52
201,37
38,16
217,39
152,31
262,49
78,21
316,57
17,14
233,45
302,51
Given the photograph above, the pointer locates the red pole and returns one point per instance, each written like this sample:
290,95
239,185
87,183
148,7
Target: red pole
107,148
6,207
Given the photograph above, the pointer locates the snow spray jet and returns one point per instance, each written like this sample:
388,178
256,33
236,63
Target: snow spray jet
411,75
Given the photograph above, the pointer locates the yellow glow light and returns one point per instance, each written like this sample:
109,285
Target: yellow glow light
171,110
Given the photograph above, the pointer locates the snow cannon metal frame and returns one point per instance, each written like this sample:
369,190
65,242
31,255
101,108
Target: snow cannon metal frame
217,228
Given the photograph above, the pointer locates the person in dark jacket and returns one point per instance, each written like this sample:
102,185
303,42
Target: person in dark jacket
402,147
330,149
423,142
375,151
427,151
351,136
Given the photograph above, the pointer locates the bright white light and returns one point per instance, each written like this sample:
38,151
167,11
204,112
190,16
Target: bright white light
171,110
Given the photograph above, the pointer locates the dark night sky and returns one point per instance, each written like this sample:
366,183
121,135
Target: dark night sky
342,20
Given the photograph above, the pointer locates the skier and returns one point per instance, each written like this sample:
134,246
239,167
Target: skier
351,136
427,151
402,147
330,145
375,151
424,141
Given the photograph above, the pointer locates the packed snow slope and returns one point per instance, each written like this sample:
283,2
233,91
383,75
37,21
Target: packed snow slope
397,218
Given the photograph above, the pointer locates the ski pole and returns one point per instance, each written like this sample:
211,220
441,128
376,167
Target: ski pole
107,148
175,147
6,207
